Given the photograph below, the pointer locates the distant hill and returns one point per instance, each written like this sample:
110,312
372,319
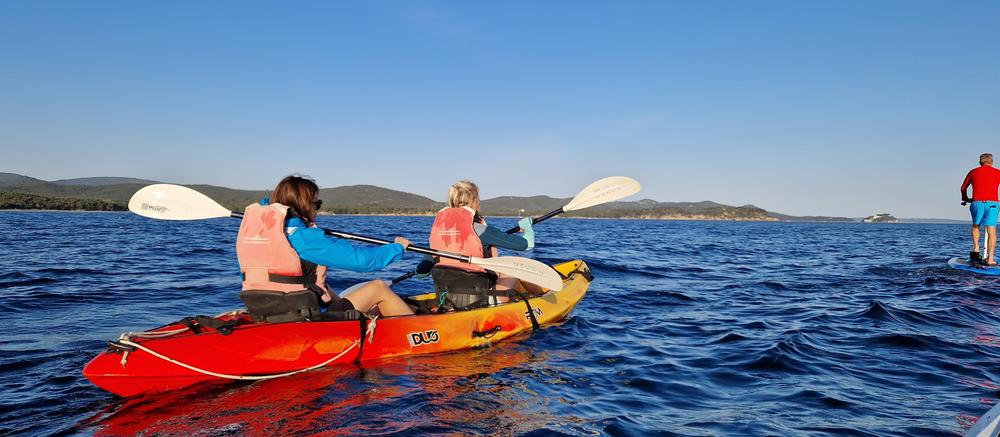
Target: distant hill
233,199
370,199
10,200
935,221
646,209
512,206
811,218
102,188
103,181
120,192
11,179
355,199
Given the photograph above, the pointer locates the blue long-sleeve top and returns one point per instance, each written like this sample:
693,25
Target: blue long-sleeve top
316,247
491,236
313,245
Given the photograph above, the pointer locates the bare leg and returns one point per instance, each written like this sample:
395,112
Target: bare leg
509,283
991,235
505,282
975,238
532,288
376,294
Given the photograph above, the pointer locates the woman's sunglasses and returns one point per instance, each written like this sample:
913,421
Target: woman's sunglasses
318,203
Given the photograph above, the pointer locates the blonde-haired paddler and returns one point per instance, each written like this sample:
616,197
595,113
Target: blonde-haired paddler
459,228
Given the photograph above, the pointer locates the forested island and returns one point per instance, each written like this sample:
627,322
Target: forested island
10,200
112,194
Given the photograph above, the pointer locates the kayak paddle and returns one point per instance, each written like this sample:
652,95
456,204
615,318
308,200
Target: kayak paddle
602,191
175,202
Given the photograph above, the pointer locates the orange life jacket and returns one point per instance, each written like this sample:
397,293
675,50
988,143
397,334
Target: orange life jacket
267,260
452,231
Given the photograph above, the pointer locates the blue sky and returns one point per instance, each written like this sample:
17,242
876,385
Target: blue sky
804,107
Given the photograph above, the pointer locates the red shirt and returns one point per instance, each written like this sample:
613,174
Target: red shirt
984,179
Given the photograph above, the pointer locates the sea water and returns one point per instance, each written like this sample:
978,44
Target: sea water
689,328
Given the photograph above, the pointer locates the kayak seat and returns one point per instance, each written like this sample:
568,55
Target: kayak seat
461,290
297,306
421,306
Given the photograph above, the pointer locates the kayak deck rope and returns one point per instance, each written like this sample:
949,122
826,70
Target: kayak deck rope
126,340
161,334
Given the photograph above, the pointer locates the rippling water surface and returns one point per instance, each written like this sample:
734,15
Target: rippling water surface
690,328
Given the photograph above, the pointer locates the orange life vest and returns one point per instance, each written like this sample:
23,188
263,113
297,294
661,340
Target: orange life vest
453,231
267,260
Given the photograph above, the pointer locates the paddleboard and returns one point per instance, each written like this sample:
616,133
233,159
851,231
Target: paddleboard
964,264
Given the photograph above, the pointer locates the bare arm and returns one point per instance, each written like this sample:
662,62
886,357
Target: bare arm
965,187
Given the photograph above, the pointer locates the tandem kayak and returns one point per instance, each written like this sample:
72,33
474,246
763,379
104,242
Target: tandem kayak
232,346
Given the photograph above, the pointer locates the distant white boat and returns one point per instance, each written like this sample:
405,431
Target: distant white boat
881,218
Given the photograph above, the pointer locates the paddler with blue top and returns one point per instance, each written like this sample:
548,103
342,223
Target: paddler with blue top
284,258
983,206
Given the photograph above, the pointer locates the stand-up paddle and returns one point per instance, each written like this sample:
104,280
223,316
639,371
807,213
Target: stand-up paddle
175,202
602,191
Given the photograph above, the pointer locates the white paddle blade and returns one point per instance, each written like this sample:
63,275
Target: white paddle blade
603,191
525,269
174,202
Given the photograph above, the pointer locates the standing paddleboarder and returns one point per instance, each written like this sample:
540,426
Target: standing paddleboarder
984,206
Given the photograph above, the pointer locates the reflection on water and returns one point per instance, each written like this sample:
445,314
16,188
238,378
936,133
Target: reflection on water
433,393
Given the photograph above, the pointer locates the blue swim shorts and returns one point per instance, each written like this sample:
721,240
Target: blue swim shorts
984,213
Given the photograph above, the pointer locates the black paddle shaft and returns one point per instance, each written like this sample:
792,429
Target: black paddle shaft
410,248
537,219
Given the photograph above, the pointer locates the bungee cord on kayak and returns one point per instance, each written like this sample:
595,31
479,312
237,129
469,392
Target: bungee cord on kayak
125,340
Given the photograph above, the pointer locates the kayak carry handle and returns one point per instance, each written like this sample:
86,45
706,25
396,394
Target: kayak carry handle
487,333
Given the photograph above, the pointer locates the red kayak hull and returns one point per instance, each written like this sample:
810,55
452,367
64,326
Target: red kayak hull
254,349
